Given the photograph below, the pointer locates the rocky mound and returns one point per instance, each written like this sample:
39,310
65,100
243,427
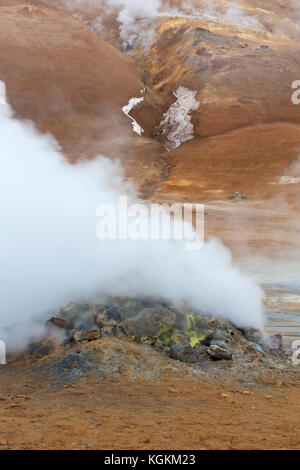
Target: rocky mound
184,335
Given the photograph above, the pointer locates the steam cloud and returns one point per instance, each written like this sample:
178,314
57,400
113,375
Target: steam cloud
50,254
135,16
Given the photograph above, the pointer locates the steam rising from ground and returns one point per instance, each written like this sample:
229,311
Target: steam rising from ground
132,14
135,16
50,255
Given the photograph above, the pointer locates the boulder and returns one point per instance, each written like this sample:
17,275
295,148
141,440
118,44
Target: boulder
199,329
122,308
151,322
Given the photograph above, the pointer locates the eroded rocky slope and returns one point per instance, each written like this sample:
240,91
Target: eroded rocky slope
71,83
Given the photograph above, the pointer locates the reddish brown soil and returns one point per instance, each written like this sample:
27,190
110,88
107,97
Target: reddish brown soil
138,398
250,161
122,415
245,160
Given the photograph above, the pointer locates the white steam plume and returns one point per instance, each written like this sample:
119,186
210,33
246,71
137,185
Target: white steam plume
135,17
50,255
131,11
235,14
130,14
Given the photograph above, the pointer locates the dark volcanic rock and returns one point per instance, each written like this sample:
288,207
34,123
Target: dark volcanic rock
59,322
275,342
255,348
218,353
42,348
91,335
185,353
253,335
120,308
151,322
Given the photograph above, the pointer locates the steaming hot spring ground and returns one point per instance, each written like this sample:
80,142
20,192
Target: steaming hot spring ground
138,345
140,373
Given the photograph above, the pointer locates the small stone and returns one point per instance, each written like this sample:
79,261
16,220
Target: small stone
59,322
91,335
218,353
77,336
254,348
275,342
221,344
108,330
185,353
101,320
